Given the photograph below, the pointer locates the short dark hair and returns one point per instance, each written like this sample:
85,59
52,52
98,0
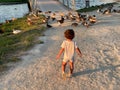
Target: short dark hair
69,34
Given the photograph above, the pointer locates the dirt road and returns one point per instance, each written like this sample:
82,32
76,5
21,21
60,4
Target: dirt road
98,69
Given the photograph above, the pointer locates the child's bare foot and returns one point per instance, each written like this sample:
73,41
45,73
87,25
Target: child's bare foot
64,75
69,75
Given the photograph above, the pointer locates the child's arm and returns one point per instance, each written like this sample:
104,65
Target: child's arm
79,52
60,52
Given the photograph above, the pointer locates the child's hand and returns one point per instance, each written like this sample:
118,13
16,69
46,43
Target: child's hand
57,57
80,55
60,52
79,52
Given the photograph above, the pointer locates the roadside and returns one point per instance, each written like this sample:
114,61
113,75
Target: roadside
98,69
13,45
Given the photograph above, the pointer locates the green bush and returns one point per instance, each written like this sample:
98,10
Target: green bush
7,1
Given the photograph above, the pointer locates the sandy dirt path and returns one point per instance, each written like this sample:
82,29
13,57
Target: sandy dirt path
98,69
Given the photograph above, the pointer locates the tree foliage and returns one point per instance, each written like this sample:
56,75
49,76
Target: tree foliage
7,1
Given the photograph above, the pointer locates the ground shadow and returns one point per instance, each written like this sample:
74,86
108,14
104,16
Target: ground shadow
96,70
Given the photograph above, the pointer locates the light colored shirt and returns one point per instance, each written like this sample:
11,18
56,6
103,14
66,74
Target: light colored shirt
69,49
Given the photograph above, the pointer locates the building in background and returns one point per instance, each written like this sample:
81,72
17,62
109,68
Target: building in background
79,4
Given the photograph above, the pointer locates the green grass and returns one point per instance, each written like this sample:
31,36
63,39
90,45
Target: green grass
12,45
20,23
88,9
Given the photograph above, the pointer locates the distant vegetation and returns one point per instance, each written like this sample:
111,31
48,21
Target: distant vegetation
88,9
7,1
94,7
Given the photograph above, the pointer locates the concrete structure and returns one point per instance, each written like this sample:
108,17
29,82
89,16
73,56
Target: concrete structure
33,4
78,4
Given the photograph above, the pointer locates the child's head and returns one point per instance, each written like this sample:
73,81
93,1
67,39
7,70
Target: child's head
69,34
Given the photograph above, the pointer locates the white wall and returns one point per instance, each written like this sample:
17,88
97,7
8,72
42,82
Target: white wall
7,12
82,4
99,2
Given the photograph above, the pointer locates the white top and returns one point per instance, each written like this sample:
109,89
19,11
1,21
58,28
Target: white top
69,47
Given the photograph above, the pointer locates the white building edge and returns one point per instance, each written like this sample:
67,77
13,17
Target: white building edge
79,4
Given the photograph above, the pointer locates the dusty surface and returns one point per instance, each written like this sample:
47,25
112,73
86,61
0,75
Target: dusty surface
98,69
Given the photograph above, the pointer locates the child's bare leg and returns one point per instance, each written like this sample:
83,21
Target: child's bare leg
63,66
71,67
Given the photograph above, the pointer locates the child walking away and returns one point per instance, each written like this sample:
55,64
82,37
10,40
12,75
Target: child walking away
68,47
